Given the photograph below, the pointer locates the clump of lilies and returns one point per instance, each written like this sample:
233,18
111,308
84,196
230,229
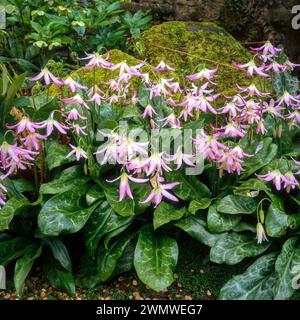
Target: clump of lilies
242,114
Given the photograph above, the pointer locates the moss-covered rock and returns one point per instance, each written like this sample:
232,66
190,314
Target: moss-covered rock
184,45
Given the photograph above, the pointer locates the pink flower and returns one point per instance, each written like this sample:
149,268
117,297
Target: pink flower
272,109
233,130
124,185
155,164
97,99
149,111
171,120
204,103
252,90
97,60
252,68
267,48
275,176
204,73
73,85
260,128
75,100
75,115
295,115
32,141
230,162
275,67
289,181
78,151
231,108
162,66
291,65
287,98
179,158
48,77
51,123
125,68
24,124
3,191
159,191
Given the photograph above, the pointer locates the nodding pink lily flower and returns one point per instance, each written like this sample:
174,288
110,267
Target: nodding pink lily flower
260,233
97,99
135,99
290,65
260,127
114,85
75,100
272,109
79,129
289,181
287,98
160,88
232,129
125,68
275,176
73,85
32,141
75,115
230,108
162,66
51,123
155,164
78,151
185,114
124,185
149,111
95,89
237,151
48,77
114,99
295,115
175,86
229,162
204,73
252,90
3,191
209,146
97,60
252,68
159,191
179,158
267,48
24,124
12,156
275,67
171,120
204,103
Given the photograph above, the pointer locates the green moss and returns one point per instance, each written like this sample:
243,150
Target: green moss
197,41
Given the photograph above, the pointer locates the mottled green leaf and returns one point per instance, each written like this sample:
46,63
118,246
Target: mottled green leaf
165,213
234,204
233,248
256,283
155,258
196,205
56,155
11,249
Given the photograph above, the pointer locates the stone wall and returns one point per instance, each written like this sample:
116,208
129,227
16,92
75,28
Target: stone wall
194,10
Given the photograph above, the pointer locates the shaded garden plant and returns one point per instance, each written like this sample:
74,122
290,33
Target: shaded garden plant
128,199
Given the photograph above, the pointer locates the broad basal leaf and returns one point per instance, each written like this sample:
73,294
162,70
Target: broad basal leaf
288,259
256,283
11,249
196,228
165,213
200,204
64,213
234,204
155,258
56,155
221,222
233,248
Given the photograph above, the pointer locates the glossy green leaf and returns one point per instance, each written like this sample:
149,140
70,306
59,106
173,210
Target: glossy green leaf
190,188
56,155
24,265
87,276
155,258
67,180
94,194
221,222
196,205
11,249
124,208
288,259
59,252
197,228
233,248
256,283
165,213
234,204
59,278
64,213
107,258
